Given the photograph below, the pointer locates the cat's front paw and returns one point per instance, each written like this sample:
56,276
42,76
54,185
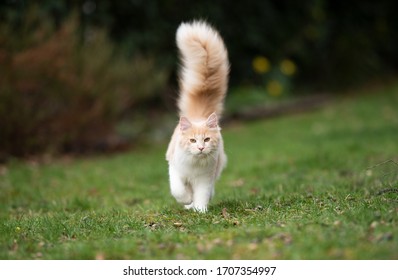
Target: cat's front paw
200,208
188,206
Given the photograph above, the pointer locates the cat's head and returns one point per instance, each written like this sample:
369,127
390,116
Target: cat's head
200,138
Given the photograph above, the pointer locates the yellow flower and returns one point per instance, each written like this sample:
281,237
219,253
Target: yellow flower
261,64
288,67
17,229
274,88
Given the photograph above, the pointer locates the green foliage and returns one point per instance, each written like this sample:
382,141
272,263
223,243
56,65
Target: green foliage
295,188
59,92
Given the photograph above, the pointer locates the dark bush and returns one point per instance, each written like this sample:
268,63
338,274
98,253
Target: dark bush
333,43
60,93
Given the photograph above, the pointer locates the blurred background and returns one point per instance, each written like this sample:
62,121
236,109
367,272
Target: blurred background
97,76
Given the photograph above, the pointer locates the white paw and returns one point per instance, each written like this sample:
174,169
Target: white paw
200,208
188,206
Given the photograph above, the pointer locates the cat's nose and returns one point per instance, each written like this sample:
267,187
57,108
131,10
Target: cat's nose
201,148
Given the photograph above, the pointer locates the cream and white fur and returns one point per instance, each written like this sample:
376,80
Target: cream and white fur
196,152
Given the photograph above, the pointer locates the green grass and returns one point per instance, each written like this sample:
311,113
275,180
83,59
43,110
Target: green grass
296,187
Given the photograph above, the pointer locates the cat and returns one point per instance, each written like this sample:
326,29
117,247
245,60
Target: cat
195,153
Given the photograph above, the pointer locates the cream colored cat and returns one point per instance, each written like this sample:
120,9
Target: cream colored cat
196,153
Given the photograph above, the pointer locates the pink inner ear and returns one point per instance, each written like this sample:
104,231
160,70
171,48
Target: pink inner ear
184,124
212,121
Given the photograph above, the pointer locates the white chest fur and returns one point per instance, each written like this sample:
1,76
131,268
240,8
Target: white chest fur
193,166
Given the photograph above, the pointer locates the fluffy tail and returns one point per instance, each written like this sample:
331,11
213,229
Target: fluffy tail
204,72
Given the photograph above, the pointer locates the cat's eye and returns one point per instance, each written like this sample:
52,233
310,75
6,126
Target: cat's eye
207,139
192,140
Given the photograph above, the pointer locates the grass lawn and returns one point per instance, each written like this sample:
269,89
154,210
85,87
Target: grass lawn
296,187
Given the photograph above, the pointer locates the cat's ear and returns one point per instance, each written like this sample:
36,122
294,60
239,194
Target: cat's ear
212,121
184,124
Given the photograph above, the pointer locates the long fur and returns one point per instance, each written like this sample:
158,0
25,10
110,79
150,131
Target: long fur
196,151
204,71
